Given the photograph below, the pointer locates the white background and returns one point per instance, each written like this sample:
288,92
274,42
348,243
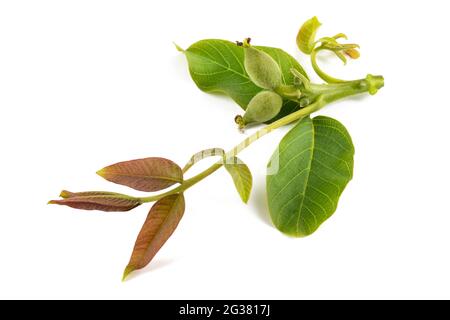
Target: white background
84,84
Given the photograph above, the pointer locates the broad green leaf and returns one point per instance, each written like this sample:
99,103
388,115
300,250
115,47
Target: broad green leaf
148,174
315,163
97,200
161,222
242,177
218,66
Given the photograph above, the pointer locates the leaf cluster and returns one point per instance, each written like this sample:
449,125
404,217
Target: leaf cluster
308,170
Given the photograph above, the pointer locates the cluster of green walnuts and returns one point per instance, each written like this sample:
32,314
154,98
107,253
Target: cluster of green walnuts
265,73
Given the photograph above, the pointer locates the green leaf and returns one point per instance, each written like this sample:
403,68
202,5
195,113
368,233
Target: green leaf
161,222
242,177
148,174
307,35
315,163
218,66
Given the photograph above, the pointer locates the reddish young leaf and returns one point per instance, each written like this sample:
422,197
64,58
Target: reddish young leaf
161,222
149,174
67,194
110,202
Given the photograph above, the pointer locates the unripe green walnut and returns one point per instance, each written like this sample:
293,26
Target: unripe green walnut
263,107
262,68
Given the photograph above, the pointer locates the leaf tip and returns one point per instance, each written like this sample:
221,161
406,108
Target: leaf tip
101,172
59,202
245,197
65,194
180,49
316,21
127,272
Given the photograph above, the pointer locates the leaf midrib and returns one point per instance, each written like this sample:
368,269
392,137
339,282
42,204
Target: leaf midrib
163,223
145,176
308,170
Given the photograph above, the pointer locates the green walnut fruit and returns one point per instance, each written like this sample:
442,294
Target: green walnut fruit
262,68
263,107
